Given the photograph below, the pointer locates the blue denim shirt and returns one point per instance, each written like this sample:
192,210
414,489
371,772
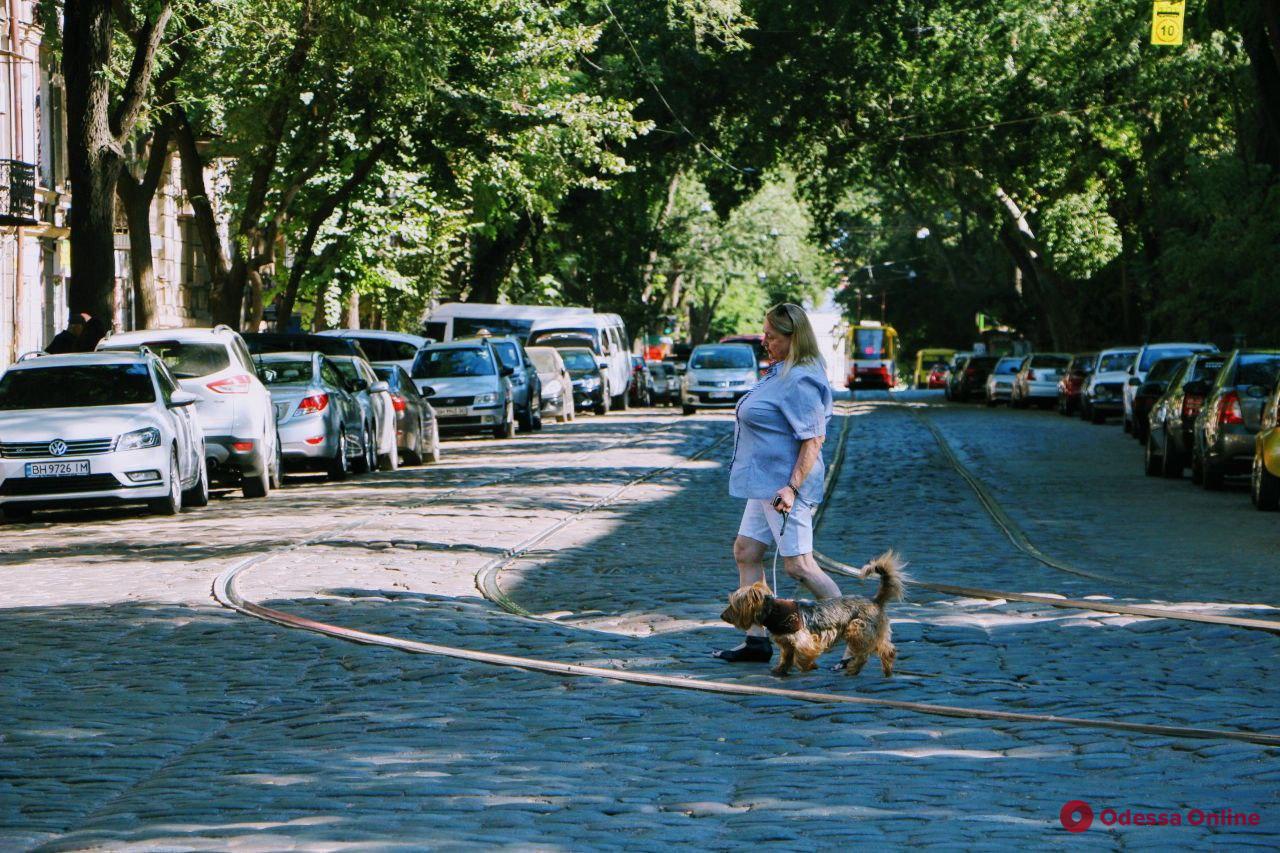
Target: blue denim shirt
779,412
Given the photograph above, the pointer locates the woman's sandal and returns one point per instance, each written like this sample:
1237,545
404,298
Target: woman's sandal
754,650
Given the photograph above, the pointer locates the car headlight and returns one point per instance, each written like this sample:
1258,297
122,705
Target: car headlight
138,439
590,383
488,399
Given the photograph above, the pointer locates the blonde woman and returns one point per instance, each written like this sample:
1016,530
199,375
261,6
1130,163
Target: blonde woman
777,465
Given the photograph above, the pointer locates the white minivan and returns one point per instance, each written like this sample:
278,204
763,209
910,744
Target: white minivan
604,335
455,320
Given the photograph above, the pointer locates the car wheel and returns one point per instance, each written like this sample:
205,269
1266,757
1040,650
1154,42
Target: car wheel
536,409
1171,464
1153,463
688,410
258,486
1266,486
389,461
15,513
1197,466
602,405
367,460
170,504
339,466
198,495
1128,426
433,452
525,419
1096,417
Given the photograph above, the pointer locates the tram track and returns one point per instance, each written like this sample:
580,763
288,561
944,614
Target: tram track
225,590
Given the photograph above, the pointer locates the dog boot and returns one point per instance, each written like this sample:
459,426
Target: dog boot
754,650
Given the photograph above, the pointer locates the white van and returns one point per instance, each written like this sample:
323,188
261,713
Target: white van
455,320
603,334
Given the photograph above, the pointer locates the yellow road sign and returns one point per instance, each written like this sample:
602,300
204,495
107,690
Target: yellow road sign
1166,22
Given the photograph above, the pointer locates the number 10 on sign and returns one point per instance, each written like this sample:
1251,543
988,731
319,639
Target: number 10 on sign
1166,22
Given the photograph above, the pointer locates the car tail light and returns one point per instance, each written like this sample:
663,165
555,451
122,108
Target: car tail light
1191,406
238,384
970,372
398,403
1229,411
313,405
314,440
1031,376
242,446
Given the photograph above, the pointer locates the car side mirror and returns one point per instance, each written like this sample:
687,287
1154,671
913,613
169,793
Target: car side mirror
182,398
507,371
602,364
379,388
1133,380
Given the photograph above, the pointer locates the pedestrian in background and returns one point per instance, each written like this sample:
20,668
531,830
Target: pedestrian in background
777,465
68,340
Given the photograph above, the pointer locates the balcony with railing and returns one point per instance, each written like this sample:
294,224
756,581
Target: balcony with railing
17,193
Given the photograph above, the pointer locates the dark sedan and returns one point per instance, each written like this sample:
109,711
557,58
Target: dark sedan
1226,427
1150,390
1170,422
1072,382
971,381
417,434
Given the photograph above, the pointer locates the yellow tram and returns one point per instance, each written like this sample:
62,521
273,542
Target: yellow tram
873,355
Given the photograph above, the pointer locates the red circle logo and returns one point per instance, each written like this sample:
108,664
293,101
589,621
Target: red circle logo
1076,816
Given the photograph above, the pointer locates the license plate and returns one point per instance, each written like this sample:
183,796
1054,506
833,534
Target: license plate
58,469
721,395
451,411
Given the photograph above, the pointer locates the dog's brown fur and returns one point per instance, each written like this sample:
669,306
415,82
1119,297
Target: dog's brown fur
804,630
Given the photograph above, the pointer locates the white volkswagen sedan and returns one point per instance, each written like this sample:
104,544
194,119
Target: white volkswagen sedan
98,428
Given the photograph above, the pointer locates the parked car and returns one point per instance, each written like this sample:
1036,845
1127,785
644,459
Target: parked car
954,374
937,377
971,380
322,425
1151,390
1264,484
679,357
526,387
1000,380
1037,379
641,382
234,406
98,428
1146,358
756,342
1231,418
603,334
382,347
1172,418
1072,382
928,362
557,384
417,434
1103,394
590,384
666,383
468,386
380,415
260,342
719,375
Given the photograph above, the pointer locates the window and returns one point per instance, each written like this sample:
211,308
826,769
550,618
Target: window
1114,362
469,327
167,385
730,357
190,360
579,361
381,349
868,343
455,361
509,354
242,353
330,376
350,375
285,372
76,387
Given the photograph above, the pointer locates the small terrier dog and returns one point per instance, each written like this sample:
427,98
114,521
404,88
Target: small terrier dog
804,630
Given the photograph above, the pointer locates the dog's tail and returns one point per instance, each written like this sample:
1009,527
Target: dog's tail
892,579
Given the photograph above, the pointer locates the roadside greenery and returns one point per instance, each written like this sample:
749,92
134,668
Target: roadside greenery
1034,161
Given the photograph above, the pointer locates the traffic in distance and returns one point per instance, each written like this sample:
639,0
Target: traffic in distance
160,417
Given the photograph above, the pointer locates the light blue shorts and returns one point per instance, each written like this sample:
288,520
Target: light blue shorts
763,523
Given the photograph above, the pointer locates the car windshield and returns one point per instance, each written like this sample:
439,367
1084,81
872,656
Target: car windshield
1008,365
1083,363
658,370
284,372
1257,369
1053,361
544,360
981,363
1151,355
567,337
1206,369
349,372
578,361
188,360
1163,369
266,342
454,361
381,349
74,386
1115,362
388,373
868,343
508,353
470,327
729,357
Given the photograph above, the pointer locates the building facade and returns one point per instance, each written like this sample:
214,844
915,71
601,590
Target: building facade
35,197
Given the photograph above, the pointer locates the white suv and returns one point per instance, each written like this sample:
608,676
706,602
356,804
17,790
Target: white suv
98,428
1147,356
234,406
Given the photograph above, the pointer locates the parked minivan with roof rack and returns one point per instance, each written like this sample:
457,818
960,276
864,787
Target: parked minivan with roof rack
234,406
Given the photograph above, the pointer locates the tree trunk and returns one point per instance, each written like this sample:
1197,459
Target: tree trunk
492,260
136,196
1020,241
93,157
655,244
211,244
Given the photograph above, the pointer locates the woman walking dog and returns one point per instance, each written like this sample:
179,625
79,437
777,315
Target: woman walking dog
777,465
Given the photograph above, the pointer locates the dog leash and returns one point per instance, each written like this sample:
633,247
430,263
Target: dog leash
781,533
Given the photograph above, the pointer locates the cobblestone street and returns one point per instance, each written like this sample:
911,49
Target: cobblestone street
137,711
